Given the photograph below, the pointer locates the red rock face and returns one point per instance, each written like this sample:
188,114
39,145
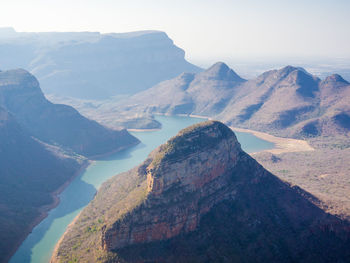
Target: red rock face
179,194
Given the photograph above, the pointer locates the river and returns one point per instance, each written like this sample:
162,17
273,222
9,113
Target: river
38,246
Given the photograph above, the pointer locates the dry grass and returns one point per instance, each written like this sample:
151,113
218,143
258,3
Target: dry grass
324,172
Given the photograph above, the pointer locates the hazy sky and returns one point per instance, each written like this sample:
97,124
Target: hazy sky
206,29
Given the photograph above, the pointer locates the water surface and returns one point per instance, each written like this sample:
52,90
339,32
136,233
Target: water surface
38,246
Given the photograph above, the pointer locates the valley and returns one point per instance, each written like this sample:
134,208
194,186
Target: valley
310,114
115,148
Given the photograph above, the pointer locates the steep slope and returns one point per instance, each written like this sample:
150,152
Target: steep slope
29,172
91,65
277,99
291,102
334,107
287,102
59,124
205,93
200,198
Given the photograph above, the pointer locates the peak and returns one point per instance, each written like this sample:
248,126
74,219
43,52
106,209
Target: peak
335,78
20,78
289,69
196,138
219,66
207,126
220,71
18,71
16,74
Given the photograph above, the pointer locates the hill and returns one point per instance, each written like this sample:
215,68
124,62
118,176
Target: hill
291,102
200,198
57,124
30,171
288,102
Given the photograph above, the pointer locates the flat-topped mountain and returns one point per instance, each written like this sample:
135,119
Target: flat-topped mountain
91,65
29,172
200,198
58,124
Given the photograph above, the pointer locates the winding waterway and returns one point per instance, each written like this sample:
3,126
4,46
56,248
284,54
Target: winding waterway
38,246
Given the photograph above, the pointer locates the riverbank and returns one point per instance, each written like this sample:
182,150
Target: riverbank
44,211
100,156
282,145
143,130
55,250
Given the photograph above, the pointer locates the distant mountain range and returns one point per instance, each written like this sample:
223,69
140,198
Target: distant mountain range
287,102
91,65
200,198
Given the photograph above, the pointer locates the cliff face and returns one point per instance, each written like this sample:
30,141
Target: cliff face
58,124
91,65
200,198
185,179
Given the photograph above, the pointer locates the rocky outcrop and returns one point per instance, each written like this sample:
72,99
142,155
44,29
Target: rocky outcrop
200,198
188,178
57,124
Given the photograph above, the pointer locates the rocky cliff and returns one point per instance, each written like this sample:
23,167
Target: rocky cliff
200,198
57,124
91,65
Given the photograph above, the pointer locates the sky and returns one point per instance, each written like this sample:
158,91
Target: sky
205,29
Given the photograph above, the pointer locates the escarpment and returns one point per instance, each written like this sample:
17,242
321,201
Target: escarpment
186,178
200,198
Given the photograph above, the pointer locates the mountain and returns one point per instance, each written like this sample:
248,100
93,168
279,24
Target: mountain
205,93
287,102
192,93
30,171
200,198
291,102
57,124
91,65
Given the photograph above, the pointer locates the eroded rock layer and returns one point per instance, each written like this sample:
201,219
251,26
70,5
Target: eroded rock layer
200,198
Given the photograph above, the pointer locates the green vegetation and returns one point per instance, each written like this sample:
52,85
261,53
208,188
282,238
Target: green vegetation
199,137
115,200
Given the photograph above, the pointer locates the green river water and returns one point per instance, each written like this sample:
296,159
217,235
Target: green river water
38,246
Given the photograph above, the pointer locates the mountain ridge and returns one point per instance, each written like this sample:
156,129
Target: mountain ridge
60,124
288,102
